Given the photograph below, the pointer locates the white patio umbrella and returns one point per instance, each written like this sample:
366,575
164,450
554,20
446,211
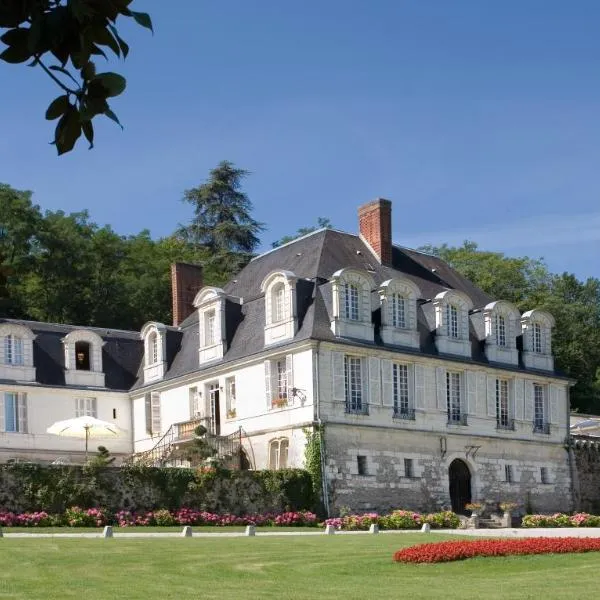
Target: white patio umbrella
587,427
87,427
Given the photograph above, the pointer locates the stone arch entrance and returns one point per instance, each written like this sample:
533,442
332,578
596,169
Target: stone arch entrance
460,485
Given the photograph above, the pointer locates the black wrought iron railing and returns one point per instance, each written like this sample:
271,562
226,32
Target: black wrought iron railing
406,414
505,424
456,418
357,409
541,427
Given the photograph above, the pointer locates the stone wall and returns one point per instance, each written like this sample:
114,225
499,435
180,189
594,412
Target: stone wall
587,485
386,485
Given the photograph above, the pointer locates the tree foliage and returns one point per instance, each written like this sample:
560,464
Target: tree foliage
222,225
70,34
527,283
322,223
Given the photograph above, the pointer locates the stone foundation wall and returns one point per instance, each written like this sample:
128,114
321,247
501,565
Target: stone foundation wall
386,484
587,461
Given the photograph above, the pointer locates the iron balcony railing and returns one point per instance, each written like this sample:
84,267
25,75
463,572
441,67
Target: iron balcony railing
505,424
541,427
357,409
406,414
456,418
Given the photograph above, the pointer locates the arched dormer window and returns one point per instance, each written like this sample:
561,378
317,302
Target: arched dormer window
536,326
16,348
281,319
452,322
399,312
211,303
83,358
501,320
155,345
352,308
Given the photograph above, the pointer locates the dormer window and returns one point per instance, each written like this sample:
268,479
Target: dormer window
452,322
501,320
16,352
399,312
536,326
281,320
211,303
352,309
351,300
209,327
13,350
83,358
154,336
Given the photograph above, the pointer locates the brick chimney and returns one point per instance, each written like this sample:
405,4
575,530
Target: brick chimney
375,225
186,281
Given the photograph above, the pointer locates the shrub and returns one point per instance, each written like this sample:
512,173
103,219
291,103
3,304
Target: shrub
561,520
85,517
459,550
398,519
164,518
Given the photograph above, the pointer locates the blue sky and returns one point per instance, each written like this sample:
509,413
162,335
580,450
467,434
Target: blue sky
479,120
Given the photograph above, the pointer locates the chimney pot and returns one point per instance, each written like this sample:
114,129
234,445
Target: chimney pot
375,226
186,282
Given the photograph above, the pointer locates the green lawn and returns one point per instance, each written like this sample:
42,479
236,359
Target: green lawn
346,567
177,529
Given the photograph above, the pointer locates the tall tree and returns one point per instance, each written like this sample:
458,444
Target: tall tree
222,223
322,223
69,33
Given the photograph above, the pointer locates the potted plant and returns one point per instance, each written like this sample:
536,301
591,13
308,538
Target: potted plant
474,507
279,402
507,507
231,413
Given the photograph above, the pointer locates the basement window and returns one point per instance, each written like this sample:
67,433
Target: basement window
361,462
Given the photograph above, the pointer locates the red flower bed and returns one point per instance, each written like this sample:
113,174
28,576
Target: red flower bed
459,550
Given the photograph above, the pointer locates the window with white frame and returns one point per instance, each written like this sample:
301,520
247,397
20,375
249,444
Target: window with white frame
351,302
398,311
401,392
540,424
194,400
279,381
13,350
536,333
503,420
281,377
209,327
453,393
278,453
353,384
13,417
86,407
500,330
152,356
153,417
230,397
278,303
452,319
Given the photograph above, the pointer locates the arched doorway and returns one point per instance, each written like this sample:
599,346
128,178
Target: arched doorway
460,485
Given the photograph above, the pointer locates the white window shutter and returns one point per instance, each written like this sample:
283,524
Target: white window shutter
269,306
519,398
464,324
374,381
365,308
338,377
419,386
155,407
268,384
430,387
471,379
511,399
95,407
387,382
491,396
2,424
553,404
411,313
548,340
289,370
528,401
22,408
440,379
364,377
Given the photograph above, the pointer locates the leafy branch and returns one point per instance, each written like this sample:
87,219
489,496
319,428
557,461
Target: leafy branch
72,32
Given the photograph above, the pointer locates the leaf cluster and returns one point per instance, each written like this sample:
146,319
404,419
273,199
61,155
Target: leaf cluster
72,34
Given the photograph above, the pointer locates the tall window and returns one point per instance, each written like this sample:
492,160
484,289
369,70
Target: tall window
282,383
452,316
408,467
153,416
13,350
353,377
351,302
278,299
230,397
152,357
86,407
194,400
209,328
503,420
11,412
401,392
398,303
278,453
537,338
508,473
500,331
453,397
539,417
82,356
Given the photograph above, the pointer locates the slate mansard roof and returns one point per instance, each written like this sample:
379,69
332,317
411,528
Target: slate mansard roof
313,259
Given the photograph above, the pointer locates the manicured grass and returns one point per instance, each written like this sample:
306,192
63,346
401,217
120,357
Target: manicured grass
292,568
176,529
